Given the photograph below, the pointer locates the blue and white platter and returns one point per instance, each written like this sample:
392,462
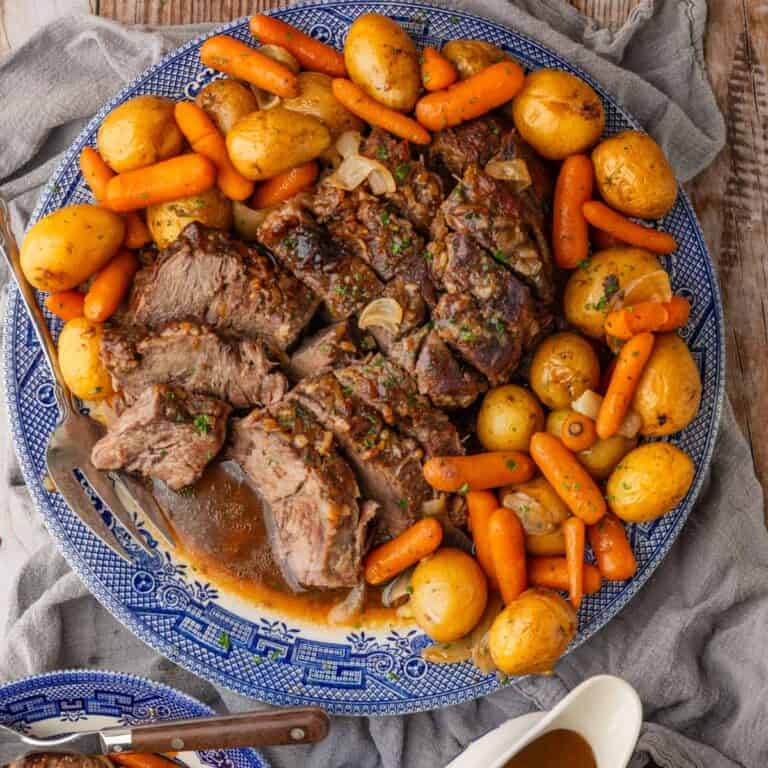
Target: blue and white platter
246,647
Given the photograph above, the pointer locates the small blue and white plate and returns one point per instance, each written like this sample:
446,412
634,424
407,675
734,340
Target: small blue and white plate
251,649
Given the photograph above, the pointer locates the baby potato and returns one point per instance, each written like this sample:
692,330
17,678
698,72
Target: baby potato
650,481
80,359
669,391
536,504
558,114
508,417
139,132
225,102
532,632
545,544
166,220
449,594
563,367
67,246
589,291
263,144
634,176
382,59
472,56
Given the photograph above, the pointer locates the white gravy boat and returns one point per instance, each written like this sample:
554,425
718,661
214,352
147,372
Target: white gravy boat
605,710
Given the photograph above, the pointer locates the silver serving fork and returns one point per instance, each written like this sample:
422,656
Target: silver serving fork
69,446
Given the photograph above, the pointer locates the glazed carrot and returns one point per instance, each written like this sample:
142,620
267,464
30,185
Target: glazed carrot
567,476
570,233
678,312
629,365
159,183
437,72
481,505
361,104
488,89
225,54
601,216
628,321
552,573
204,138
478,472
136,231
65,304
578,432
285,185
508,553
609,542
575,539
141,760
110,286
311,53
602,241
405,550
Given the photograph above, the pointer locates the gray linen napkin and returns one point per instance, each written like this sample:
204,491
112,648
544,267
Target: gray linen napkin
691,640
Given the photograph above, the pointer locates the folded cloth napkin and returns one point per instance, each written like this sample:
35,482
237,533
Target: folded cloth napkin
690,642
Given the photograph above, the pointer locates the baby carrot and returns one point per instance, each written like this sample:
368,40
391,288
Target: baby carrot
570,233
162,182
361,104
678,312
470,98
508,553
225,54
478,472
141,760
481,505
609,542
575,538
285,185
110,286
601,216
136,231
437,72
405,550
567,476
311,53
629,365
66,305
578,432
552,573
628,321
602,241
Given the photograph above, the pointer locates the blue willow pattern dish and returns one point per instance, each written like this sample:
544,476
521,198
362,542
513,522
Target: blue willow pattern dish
235,644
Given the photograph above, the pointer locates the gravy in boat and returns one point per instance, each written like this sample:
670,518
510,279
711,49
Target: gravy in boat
560,748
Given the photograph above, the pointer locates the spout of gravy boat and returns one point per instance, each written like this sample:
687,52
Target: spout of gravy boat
605,710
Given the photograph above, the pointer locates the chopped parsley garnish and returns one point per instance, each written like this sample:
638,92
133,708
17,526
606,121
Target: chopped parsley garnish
187,491
384,218
202,425
402,503
342,290
463,488
409,590
495,130
224,641
500,256
402,171
382,153
511,464
584,264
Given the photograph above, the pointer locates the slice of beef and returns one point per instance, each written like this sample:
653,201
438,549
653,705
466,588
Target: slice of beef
207,277
344,281
195,358
388,465
472,143
335,345
319,524
167,434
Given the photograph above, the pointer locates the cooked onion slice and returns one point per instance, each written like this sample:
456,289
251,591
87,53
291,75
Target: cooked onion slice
248,220
398,591
588,404
384,313
515,170
355,168
631,425
350,607
530,512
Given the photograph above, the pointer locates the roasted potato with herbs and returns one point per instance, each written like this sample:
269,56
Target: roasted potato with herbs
382,59
471,56
507,418
226,101
546,544
80,359
536,504
558,114
633,175
67,246
266,143
166,220
532,633
139,132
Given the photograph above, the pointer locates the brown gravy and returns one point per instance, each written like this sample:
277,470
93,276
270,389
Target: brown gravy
560,748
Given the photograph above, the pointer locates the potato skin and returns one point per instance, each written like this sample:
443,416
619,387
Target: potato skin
80,360
382,59
545,514
558,114
634,176
449,594
508,417
263,144
140,132
225,102
166,220
532,633
668,394
650,481
546,544
472,56
67,246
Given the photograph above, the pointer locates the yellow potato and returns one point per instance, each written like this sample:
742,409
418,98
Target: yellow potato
139,132
634,176
225,102
266,143
508,417
382,59
589,291
166,220
69,245
536,504
80,360
649,482
449,594
532,632
472,56
669,391
558,114
545,544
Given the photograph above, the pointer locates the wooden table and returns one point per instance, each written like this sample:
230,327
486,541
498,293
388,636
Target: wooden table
731,197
